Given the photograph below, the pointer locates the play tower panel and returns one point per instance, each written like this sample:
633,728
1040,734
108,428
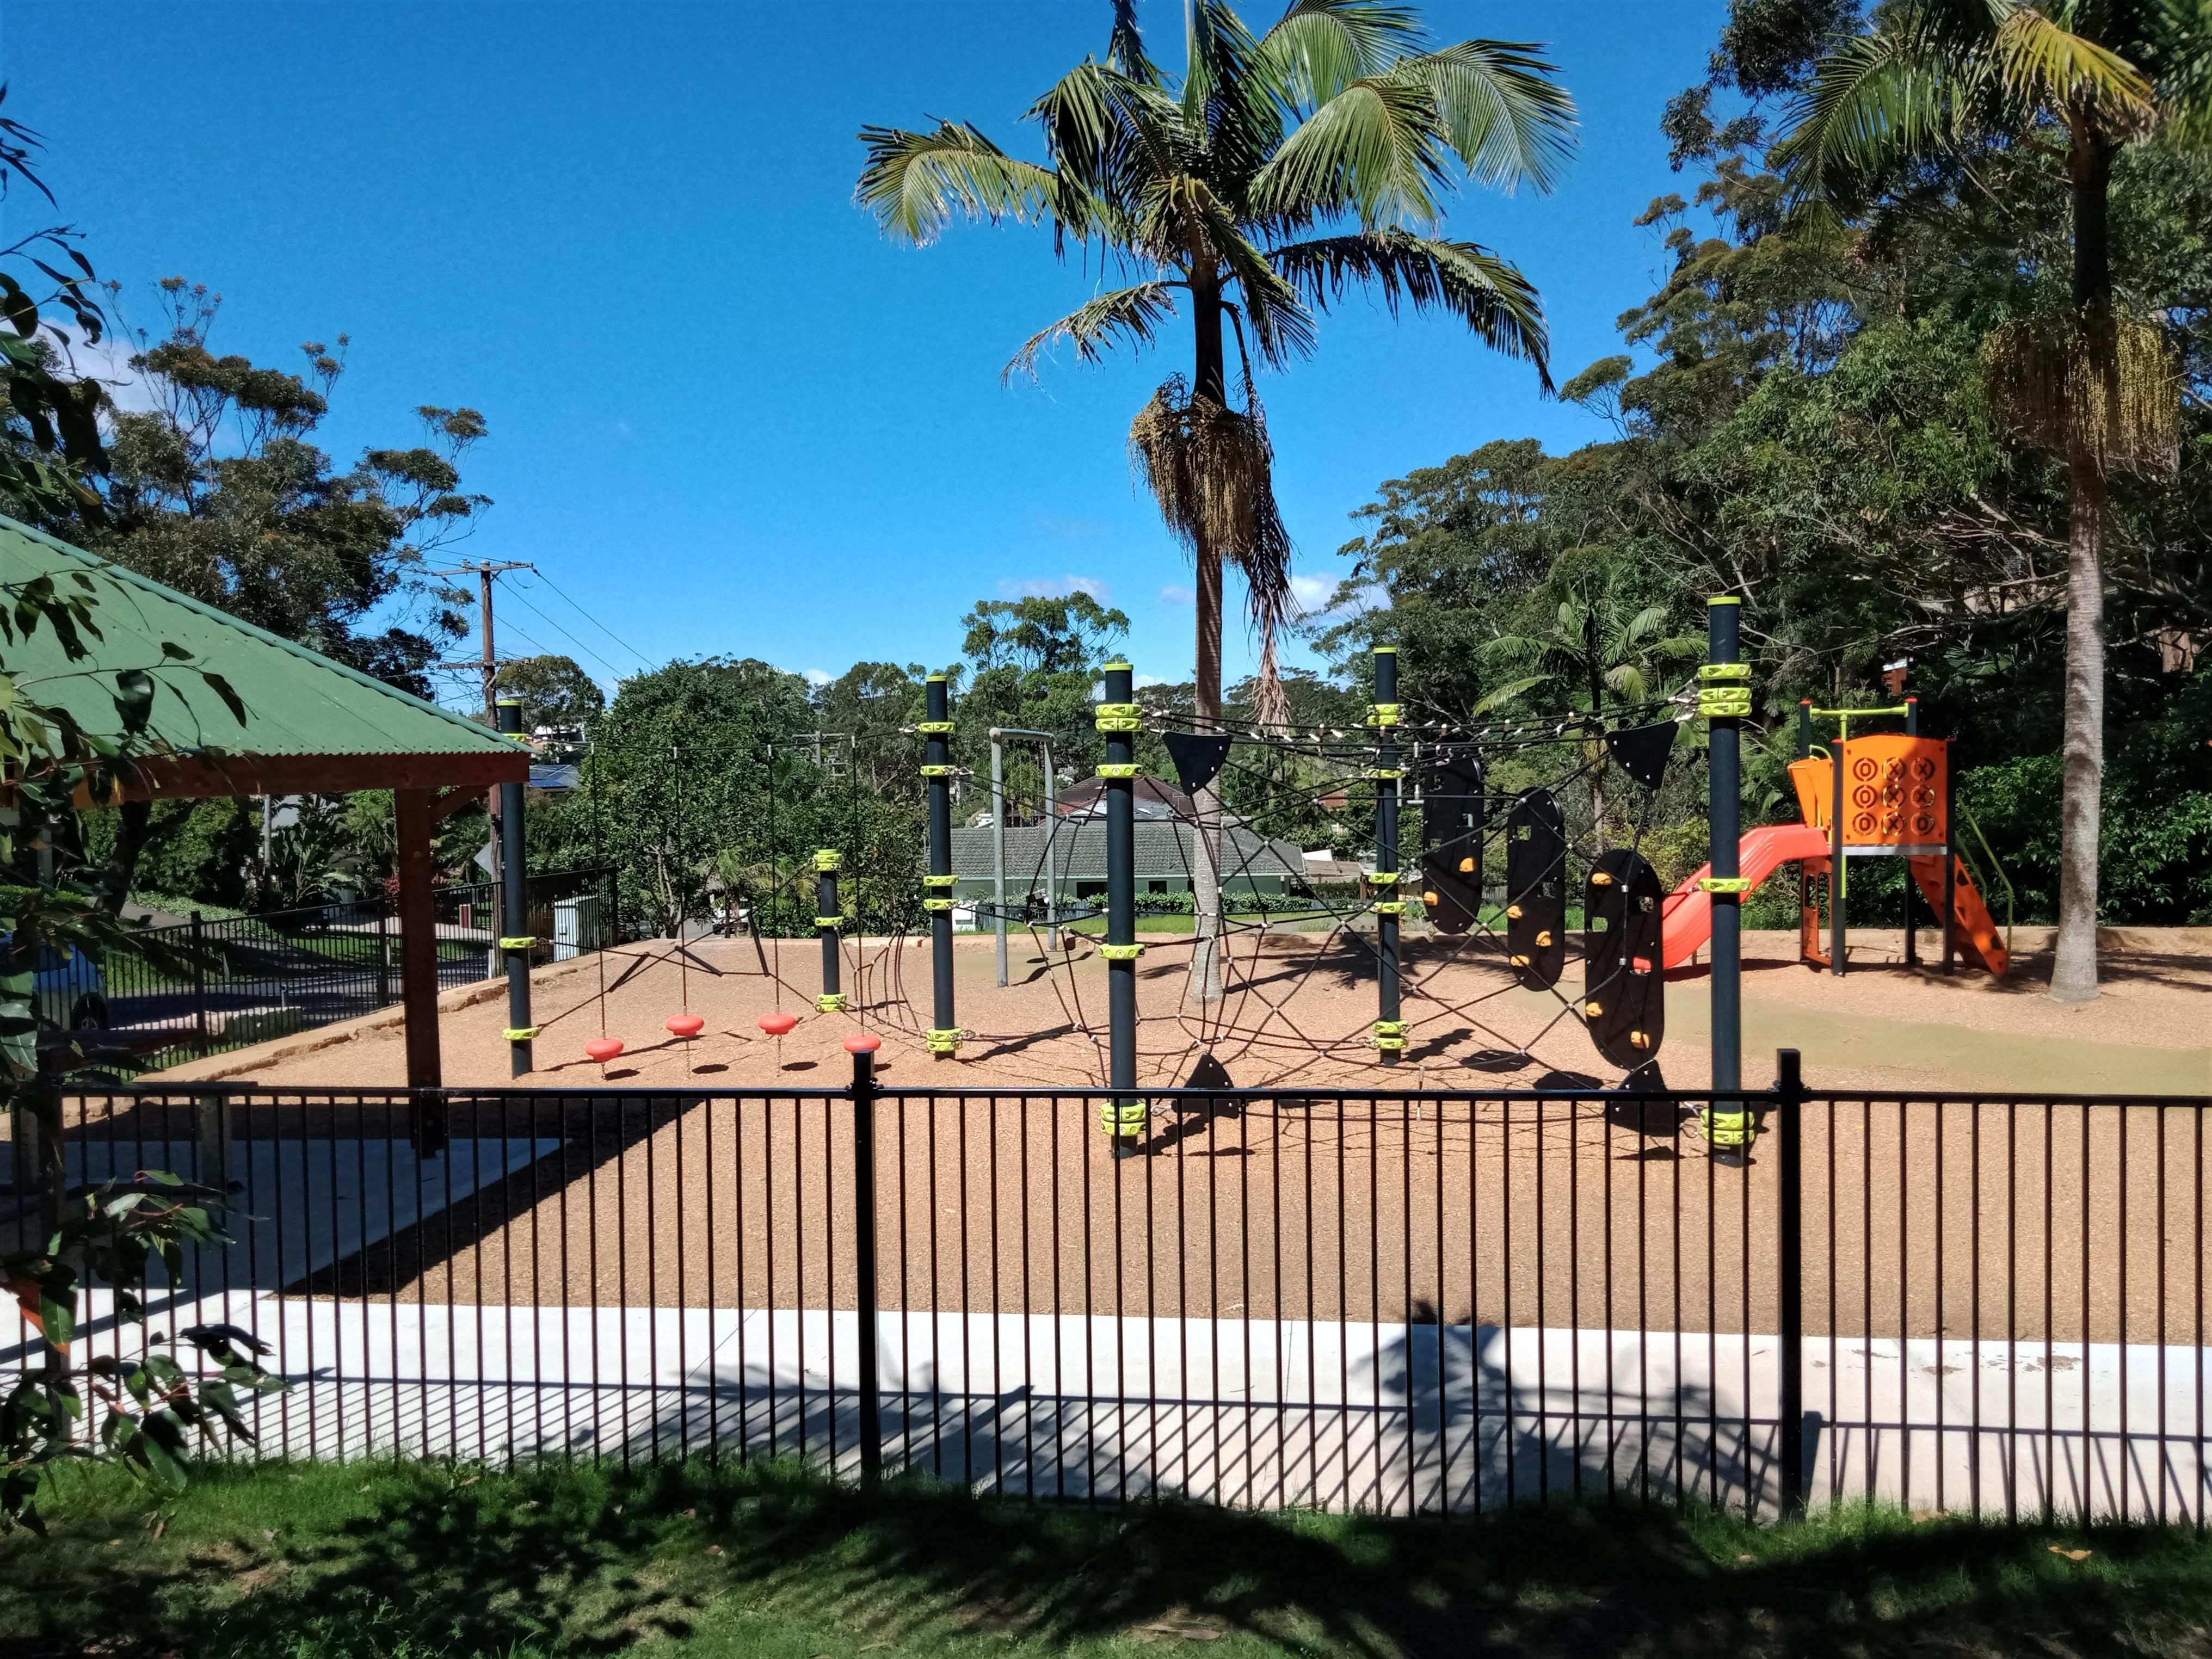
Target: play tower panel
1893,799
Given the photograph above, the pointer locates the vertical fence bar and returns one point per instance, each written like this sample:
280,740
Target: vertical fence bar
1789,1264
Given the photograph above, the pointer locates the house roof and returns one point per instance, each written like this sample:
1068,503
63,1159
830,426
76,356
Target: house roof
312,724
1163,850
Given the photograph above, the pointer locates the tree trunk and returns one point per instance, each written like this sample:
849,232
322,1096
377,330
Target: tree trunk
1211,383
2074,971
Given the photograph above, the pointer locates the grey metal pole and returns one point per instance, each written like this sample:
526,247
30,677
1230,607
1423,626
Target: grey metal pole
999,844
1389,1023
514,909
1839,885
1051,841
829,917
1724,699
1118,720
944,1036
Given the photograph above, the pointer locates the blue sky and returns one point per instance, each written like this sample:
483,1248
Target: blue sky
726,416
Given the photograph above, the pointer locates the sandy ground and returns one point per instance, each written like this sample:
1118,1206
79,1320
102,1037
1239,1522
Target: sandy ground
693,1183
1297,1015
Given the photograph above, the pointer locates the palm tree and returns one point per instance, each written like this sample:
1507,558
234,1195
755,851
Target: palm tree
1278,172
1596,643
2080,79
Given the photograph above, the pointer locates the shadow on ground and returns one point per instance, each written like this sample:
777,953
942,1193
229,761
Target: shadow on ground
434,1560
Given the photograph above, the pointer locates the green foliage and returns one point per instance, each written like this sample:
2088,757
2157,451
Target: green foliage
387,1559
50,899
555,691
219,493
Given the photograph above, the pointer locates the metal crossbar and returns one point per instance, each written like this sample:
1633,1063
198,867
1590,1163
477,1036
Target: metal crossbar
1398,1301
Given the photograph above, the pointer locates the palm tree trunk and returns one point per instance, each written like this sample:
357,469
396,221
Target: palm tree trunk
1210,382
2074,971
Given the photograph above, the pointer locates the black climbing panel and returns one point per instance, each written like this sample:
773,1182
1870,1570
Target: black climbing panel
1624,982
1536,889
1451,835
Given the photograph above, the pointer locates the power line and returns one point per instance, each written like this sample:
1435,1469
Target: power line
566,634
646,661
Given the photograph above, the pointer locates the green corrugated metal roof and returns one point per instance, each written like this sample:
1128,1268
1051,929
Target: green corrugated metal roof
297,701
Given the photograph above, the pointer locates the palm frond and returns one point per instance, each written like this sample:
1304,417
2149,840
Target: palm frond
1211,469
2182,30
1125,48
1319,47
1486,293
914,182
1506,693
1128,316
1374,149
1876,101
1232,118
2040,61
1503,114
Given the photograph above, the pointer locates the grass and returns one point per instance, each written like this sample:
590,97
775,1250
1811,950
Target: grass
433,1561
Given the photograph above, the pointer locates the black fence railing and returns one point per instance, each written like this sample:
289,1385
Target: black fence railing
1418,1303
226,983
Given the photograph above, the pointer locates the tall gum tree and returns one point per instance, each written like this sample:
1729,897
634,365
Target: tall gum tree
1279,172
1944,80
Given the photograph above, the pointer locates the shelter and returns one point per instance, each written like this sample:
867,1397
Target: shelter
311,727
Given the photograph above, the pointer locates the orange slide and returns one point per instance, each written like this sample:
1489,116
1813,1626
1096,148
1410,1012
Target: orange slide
1689,908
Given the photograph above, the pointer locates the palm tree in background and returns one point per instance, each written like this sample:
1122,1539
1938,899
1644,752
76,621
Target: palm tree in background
1944,80
1281,171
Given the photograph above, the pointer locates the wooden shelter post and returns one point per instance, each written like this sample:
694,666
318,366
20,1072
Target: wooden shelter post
413,819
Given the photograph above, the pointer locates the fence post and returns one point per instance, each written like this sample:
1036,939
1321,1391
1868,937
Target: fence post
199,983
211,1126
383,951
862,1046
1789,1108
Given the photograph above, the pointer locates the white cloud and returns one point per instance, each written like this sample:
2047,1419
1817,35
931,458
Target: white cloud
815,677
1175,593
1313,595
109,363
1141,681
1047,587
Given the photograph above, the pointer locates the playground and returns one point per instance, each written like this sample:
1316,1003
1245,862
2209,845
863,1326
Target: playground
1886,1026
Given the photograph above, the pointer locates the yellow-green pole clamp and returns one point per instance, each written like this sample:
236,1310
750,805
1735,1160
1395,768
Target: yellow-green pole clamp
933,905
1382,714
1730,671
944,1042
828,862
520,1033
933,728
1726,884
1124,1117
1386,773
831,1002
1121,953
1384,878
516,944
938,881
1389,1033
939,771
1726,691
1120,717
829,921
1735,1128
1390,907
1118,769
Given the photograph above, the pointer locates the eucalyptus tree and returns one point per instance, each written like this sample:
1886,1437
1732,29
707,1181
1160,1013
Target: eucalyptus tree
1940,81
1278,172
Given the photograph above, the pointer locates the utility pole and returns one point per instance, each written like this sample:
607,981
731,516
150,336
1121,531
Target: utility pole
484,570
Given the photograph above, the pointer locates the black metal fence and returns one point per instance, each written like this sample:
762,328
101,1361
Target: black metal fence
224,983
1405,1302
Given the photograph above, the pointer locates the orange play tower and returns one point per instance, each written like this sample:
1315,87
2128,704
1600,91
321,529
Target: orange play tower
1883,794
